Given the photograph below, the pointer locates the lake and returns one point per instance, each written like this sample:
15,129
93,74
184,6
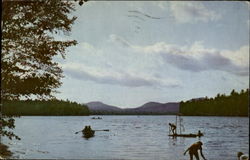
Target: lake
130,137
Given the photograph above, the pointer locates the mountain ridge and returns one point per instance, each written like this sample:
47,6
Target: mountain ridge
98,107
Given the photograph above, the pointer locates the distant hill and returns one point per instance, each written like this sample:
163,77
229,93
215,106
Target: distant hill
101,107
149,105
157,108
148,108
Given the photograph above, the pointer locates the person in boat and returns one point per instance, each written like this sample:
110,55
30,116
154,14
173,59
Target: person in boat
87,129
242,156
88,132
193,151
172,128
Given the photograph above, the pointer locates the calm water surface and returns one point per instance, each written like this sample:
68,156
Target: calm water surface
130,137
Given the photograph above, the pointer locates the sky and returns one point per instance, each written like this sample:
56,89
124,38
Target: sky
133,52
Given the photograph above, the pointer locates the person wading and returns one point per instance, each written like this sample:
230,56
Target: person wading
193,151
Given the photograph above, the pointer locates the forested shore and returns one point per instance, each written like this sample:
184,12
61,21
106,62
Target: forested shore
43,108
235,104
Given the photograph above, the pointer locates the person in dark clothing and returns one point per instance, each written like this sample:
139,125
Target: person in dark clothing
85,129
172,128
193,151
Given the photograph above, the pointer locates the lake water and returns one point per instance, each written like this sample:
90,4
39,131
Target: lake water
130,137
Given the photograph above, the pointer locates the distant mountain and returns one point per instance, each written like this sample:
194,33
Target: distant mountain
149,105
157,108
99,106
148,108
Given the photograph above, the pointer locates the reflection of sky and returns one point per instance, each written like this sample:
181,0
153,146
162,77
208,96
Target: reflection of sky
129,53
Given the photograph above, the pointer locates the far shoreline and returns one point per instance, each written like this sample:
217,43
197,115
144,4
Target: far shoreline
127,115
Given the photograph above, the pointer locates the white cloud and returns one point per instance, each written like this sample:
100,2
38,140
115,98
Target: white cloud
239,57
114,64
98,75
185,12
197,58
121,63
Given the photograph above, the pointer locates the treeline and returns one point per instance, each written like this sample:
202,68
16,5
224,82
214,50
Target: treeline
235,104
43,108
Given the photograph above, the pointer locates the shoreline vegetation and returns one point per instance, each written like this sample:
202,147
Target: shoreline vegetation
235,104
43,108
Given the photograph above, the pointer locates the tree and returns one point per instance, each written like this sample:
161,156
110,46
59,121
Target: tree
235,104
28,47
233,93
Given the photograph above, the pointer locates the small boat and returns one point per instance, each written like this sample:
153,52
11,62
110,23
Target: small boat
96,118
88,133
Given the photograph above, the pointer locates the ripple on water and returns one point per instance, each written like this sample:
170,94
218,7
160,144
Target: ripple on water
130,137
45,152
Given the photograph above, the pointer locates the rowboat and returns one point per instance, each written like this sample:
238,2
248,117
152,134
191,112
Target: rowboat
88,133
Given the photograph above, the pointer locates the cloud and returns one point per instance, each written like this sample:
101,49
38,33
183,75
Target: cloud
240,57
207,61
185,12
200,59
82,72
119,62
197,58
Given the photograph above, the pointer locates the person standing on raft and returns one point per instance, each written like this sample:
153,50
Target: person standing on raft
172,128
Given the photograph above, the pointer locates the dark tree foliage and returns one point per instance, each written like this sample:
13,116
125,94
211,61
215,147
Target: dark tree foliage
28,47
235,104
51,107
9,122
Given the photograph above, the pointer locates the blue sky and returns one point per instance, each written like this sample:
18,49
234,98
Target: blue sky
133,52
